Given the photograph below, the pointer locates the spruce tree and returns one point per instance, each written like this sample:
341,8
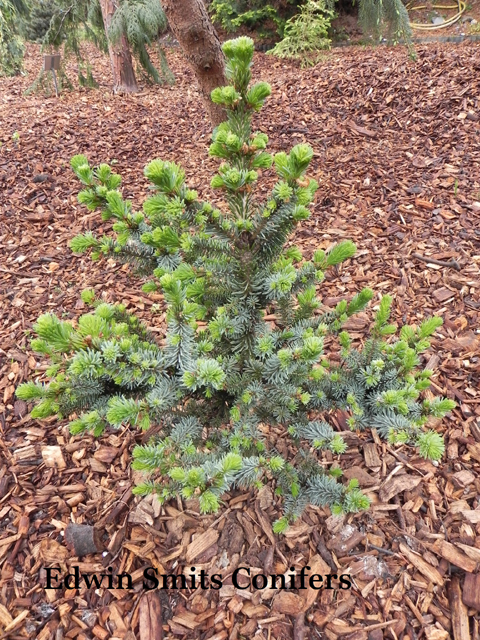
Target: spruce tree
229,383
38,22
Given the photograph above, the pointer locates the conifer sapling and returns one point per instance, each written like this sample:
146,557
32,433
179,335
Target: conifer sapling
226,392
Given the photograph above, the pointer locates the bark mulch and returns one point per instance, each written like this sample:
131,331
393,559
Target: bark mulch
397,155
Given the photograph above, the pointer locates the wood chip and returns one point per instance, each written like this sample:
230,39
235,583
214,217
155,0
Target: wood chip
289,603
201,543
472,516
460,623
454,555
372,459
419,563
443,294
53,457
471,591
471,552
317,566
364,478
436,633
396,485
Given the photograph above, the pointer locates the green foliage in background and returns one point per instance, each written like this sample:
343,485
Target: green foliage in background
306,34
233,15
389,17
71,22
304,25
11,47
226,386
37,23
142,21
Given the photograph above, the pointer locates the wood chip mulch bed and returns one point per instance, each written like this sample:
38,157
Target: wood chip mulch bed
397,155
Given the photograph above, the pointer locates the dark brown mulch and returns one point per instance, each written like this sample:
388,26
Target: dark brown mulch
397,155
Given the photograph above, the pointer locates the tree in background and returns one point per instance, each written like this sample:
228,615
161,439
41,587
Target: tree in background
306,34
391,16
71,23
295,16
124,80
141,21
132,25
66,23
266,18
191,25
11,47
37,23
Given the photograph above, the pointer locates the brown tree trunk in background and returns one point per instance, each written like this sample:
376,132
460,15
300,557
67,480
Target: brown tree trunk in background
192,27
124,80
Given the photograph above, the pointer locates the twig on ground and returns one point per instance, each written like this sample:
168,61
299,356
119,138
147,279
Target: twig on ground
401,519
442,263
21,274
381,550
120,506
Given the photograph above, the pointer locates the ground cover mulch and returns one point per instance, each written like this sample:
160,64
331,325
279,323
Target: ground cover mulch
397,155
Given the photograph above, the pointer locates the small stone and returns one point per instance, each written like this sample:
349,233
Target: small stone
369,567
41,177
46,610
438,20
89,617
416,189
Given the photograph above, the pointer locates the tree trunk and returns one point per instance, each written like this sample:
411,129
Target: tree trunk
124,80
191,25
